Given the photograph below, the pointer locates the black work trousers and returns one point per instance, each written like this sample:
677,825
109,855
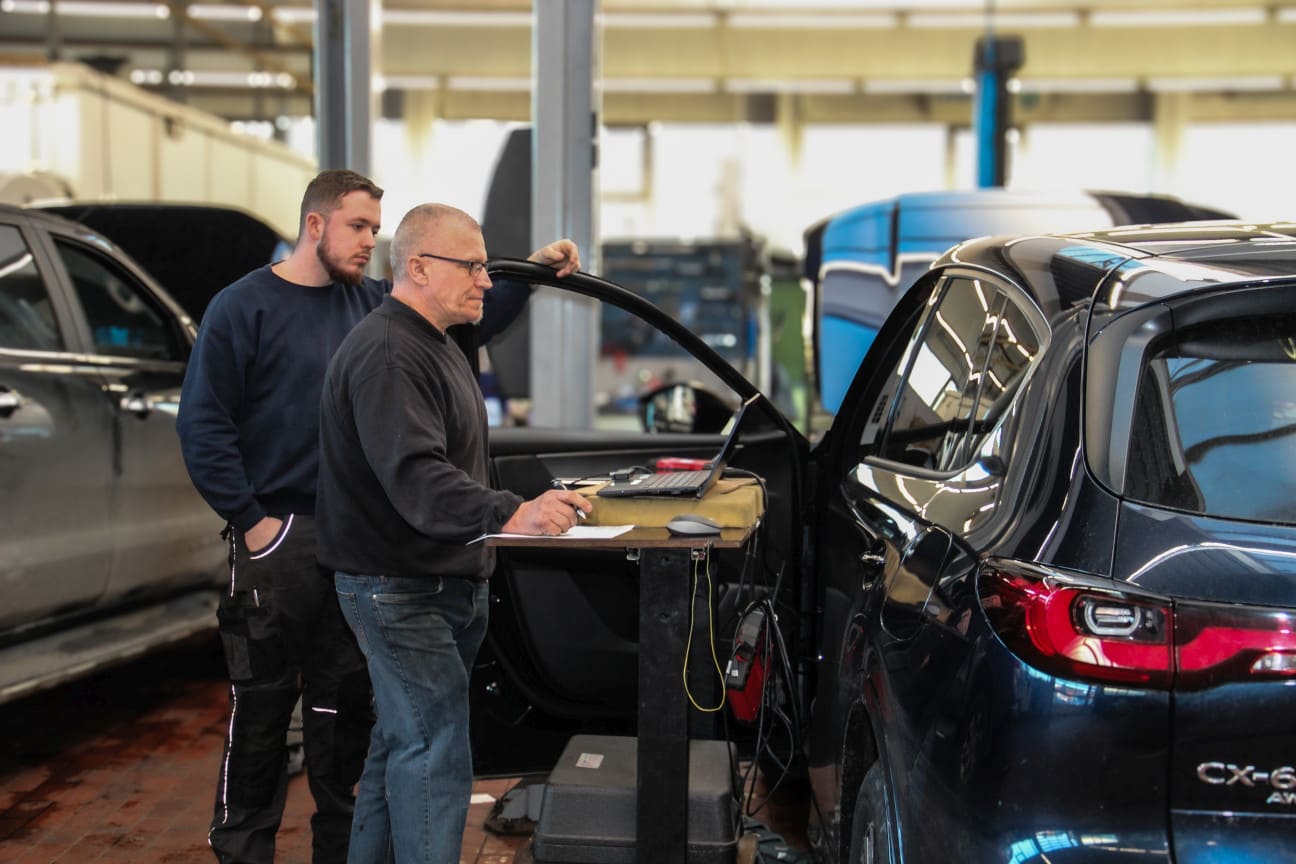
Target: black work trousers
284,637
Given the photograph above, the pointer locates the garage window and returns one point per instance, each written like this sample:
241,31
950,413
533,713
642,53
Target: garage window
26,315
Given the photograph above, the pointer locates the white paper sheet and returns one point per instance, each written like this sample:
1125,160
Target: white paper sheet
576,532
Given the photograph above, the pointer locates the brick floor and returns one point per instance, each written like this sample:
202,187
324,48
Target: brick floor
120,767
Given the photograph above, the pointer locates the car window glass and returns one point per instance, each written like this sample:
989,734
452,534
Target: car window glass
1214,423
26,315
124,320
878,412
1015,346
932,418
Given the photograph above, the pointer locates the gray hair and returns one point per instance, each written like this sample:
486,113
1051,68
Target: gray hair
420,223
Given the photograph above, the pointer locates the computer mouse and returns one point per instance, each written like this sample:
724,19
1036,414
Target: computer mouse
692,525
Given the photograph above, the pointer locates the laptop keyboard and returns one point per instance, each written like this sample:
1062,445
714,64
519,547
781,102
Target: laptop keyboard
672,479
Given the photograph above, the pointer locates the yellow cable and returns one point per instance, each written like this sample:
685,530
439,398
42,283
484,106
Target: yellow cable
711,632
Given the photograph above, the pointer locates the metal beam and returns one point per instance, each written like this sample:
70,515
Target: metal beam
995,60
564,330
343,64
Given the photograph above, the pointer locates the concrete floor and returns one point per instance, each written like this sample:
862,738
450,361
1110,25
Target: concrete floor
120,767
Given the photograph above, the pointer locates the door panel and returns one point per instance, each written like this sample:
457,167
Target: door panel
165,534
55,452
561,654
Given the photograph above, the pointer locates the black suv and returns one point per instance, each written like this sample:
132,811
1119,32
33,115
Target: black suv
106,550
1035,588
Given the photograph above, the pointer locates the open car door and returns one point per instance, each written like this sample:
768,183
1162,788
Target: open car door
562,649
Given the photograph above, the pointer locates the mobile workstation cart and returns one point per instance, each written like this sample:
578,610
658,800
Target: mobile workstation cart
662,755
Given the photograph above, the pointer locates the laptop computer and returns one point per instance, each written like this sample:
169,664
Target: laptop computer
685,484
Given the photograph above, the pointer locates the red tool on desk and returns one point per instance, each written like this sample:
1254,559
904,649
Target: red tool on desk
680,463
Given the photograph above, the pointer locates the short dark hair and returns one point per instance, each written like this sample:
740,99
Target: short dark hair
324,194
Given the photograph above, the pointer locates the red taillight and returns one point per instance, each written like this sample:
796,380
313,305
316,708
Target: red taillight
1089,632
1223,643
1079,632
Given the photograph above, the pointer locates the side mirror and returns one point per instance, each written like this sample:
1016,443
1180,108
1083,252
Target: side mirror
682,408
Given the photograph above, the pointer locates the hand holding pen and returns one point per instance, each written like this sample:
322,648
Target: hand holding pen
552,513
558,484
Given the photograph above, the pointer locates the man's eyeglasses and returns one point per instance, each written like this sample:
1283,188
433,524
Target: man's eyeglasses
473,267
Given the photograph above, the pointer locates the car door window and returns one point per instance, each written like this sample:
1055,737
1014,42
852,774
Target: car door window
125,321
931,422
26,315
1015,346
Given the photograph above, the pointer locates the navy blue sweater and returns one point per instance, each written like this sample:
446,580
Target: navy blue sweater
249,408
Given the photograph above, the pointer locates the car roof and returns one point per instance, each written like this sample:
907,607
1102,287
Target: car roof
62,223
1193,240
1168,260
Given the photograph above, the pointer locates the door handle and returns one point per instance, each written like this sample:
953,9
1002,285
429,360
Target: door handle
871,567
9,402
872,559
140,406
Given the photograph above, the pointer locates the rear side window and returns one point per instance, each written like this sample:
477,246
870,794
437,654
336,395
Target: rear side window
975,350
125,320
1214,429
26,316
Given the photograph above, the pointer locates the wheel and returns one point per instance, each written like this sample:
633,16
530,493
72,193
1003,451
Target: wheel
871,832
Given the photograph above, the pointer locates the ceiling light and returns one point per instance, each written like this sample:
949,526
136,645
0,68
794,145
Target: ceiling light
214,78
222,12
1174,17
937,86
434,18
262,129
658,85
649,21
793,85
980,20
293,14
866,21
1185,85
489,85
853,4
84,9
142,77
1080,85
408,82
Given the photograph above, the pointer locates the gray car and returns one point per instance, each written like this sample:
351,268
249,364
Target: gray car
106,550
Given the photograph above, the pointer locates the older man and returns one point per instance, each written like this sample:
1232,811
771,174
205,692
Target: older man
403,490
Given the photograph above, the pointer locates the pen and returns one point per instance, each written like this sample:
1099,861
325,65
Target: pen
558,484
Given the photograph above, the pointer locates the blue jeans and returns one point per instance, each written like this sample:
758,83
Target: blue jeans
420,637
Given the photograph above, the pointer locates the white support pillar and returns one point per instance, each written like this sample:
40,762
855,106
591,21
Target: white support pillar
564,328
1170,114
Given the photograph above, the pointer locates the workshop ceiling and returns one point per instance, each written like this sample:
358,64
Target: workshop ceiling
702,60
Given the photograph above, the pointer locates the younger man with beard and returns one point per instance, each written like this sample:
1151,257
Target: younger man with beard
249,431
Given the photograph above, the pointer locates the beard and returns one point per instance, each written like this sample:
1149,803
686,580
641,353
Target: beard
334,267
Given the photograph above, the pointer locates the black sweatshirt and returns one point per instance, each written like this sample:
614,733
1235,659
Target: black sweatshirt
249,408
403,480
